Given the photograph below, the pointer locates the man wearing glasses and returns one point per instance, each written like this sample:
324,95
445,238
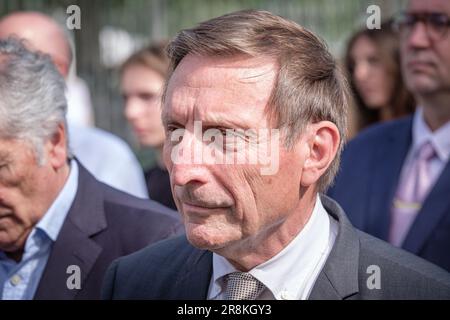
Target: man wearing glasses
395,177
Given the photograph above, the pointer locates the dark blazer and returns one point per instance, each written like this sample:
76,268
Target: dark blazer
102,225
158,186
367,182
174,269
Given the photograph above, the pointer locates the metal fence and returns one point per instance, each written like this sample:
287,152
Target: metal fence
129,24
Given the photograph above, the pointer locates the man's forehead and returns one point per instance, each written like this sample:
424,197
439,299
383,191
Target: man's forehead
38,33
220,86
196,70
422,6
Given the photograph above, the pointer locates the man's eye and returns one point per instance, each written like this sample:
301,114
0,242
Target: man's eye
146,96
410,21
438,20
223,132
171,128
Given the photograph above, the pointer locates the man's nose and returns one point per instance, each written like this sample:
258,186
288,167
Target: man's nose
186,161
418,37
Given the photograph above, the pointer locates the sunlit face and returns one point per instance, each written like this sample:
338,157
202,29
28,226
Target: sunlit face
224,205
426,61
141,88
370,76
23,198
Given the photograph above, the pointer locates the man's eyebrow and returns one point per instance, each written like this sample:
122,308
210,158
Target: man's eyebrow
168,120
223,121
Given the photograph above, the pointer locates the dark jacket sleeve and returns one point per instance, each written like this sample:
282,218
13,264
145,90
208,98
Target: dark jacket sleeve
109,281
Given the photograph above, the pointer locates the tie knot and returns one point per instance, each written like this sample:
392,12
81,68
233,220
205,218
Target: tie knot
242,286
426,151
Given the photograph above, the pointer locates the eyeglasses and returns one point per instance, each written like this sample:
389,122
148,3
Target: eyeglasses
436,24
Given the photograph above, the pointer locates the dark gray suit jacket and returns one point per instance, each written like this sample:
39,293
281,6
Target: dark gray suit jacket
174,269
102,225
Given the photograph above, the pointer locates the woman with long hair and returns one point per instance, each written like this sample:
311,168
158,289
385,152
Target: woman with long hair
373,65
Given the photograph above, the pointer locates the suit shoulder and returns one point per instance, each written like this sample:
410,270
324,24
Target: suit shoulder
168,251
133,215
128,202
150,272
399,268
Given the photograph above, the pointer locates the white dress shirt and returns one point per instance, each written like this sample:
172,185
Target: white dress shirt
291,274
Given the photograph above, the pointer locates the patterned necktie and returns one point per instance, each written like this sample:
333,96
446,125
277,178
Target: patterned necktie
411,193
242,286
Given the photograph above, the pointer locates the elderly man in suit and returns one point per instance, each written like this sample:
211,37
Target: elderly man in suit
257,227
395,177
93,147
60,228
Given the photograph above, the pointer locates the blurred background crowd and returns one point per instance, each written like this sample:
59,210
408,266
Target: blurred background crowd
112,30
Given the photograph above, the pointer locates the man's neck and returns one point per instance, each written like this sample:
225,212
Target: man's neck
436,109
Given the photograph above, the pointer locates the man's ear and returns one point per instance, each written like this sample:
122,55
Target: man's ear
57,148
323,142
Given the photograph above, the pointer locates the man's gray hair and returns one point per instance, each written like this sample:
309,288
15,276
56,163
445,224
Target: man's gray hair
32,95
309,86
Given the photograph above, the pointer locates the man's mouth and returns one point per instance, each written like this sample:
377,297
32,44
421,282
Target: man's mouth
418,65
202,205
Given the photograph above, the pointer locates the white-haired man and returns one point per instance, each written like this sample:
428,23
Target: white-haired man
56,219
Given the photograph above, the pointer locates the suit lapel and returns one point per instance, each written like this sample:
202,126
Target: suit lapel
339,277
194,283
74,245
387,166
436,205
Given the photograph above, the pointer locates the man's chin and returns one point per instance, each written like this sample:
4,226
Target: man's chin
203,238
204,242
7,245
422,84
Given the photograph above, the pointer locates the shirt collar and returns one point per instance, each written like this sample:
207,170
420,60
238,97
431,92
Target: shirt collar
439,138
52,221
277,274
